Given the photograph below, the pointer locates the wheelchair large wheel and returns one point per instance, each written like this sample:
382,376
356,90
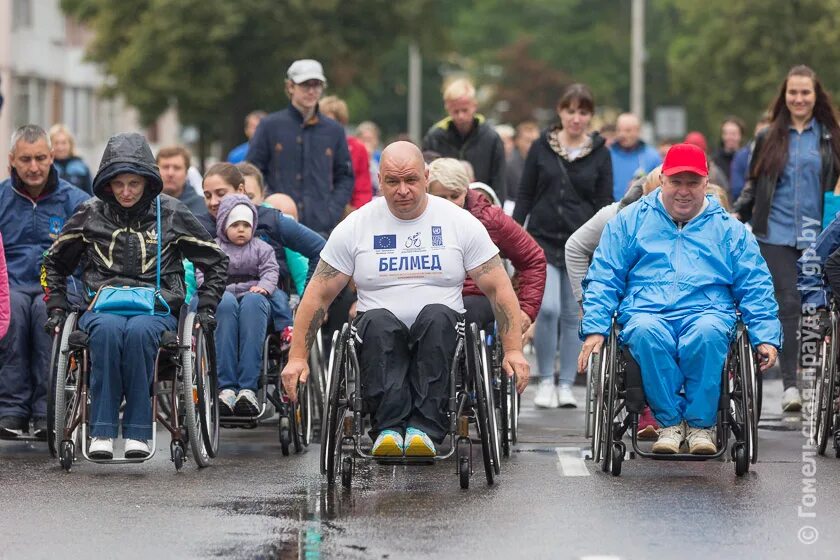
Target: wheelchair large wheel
482,406
317,377
334,409
492,419
747,380
303,412
826,385
609,385
60,393
591,393
207,386
194,413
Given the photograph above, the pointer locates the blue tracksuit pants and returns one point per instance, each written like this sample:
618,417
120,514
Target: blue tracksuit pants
676,353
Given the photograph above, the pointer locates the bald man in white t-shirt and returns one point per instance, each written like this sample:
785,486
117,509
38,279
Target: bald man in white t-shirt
408,254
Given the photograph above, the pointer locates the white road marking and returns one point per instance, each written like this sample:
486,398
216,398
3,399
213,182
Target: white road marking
570,462
600,558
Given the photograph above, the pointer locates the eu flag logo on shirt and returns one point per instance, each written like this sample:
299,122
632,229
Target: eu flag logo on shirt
384,242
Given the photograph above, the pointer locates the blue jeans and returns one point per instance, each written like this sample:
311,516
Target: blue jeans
240,334
557,321
680,353
122,356
25,356
281,313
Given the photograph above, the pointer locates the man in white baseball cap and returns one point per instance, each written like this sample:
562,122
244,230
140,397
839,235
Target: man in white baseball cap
303,154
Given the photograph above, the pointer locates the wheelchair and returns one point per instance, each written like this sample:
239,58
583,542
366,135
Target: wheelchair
184,377
505,396
615,388
826,394
471,402
296,420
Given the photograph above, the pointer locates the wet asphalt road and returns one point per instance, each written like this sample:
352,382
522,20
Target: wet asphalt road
254,503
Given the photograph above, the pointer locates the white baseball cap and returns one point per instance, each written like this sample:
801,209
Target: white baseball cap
305,69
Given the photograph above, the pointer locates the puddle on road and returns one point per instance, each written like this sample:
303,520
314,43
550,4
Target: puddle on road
306,524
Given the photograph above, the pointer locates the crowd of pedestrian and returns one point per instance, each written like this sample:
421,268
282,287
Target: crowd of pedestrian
301,171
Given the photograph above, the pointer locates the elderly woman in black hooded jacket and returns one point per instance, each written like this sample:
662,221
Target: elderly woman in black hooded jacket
115,236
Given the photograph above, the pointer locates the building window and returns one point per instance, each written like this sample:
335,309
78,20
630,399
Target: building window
20,105
30,101
21,14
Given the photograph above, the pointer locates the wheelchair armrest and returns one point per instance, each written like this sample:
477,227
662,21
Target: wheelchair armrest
169,340
78,340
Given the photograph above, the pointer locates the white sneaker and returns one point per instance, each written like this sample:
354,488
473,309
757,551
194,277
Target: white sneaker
701,441
101,449
546,394
246,403
565,397
670,439
227,402
791,401
136,449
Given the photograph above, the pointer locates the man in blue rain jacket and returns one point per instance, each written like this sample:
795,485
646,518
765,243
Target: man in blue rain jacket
676,268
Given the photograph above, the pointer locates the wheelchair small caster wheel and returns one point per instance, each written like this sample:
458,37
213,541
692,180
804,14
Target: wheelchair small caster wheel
464,472
178,456
285,436
742,462
66,455
346,472
618,451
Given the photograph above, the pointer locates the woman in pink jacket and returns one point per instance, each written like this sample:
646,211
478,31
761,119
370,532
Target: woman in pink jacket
5,312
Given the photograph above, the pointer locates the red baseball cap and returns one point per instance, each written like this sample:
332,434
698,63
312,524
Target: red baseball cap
682,158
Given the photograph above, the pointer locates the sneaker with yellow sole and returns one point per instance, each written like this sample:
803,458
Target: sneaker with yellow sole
388,444
418,444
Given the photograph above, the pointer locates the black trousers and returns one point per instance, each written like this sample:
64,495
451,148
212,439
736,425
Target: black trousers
781,261
479,311
405,371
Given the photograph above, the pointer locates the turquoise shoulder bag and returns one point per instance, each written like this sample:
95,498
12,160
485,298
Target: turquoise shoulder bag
129,301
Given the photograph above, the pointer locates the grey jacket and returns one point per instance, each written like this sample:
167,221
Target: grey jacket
581,245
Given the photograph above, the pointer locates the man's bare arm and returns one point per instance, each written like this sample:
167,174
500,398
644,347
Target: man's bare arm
492,279
325,285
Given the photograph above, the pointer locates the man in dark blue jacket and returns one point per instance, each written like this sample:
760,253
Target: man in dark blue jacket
34,204
304,154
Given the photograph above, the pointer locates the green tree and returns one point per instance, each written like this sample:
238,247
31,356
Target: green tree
215,59
731,57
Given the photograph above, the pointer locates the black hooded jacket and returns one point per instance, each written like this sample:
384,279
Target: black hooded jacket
120,244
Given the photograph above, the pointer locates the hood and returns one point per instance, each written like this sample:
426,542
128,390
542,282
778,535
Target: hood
446,121
127,153
484,187
225,206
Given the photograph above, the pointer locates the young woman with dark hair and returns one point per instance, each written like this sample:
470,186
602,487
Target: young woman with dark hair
567,178
794,163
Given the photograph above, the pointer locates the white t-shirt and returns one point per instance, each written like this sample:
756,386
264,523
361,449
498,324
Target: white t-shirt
404,265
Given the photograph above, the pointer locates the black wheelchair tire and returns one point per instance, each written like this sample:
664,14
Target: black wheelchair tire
57,403
482,409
